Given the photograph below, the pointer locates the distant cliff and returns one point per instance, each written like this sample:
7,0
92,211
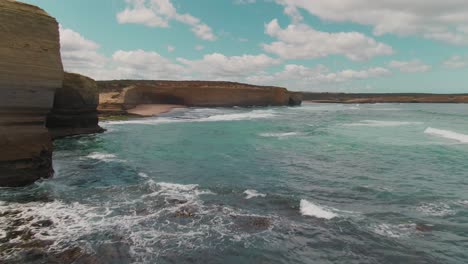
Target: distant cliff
30,71
363,98
75,108
118,96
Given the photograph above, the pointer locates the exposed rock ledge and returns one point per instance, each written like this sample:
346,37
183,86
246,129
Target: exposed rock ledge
75,108
116,97
30,71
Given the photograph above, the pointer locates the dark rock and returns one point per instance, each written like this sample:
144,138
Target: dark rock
43,223
75,108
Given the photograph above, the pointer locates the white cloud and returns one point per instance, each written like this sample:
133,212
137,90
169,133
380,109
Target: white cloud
299,41
158,13
412,66
218,66
170,48
445,21
305,78
456,62
80,54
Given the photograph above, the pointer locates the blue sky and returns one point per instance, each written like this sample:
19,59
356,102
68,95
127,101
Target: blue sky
320,45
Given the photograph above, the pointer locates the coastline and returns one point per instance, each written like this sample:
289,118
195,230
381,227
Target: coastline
149,110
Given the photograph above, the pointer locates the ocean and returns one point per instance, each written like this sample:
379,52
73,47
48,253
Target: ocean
321,183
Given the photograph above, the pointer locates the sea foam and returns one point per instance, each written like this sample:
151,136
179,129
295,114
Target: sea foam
281,135
378,123
311,209
447,134
253,193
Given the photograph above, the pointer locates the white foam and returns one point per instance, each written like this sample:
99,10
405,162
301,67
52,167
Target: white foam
103,157
447,134
378,123
311,209
281,135
143,175
256,114
253,193
436,209
395,231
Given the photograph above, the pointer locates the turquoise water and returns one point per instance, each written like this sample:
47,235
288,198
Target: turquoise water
385,183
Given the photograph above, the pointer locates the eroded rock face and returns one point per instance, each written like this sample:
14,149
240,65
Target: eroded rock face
30,71
121,95
75,107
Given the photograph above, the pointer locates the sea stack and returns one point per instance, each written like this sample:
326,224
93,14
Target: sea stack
30,72
75,108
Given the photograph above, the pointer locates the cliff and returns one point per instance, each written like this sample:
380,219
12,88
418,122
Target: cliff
75,108
363,98
30,71
118,96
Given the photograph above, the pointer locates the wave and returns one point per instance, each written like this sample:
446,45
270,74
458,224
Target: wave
378,123
310,209
253,193
447,134
282,135
255,114
436,209
395,231
106,157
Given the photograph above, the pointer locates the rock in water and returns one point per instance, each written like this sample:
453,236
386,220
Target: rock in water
30,71
75,107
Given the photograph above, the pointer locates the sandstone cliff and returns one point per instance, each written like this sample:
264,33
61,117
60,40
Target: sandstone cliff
30,71
118,96
75,108
366,98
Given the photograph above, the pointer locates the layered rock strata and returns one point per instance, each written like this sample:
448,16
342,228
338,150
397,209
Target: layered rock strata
75,108
30,71
119,96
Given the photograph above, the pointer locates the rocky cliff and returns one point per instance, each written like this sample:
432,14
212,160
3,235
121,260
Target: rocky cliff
118,96
366,98
75,107
30,71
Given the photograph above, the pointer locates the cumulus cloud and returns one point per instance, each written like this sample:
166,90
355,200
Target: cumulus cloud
218,66
445,21
300,41
413,66
158,13
80,54
305,78
456,62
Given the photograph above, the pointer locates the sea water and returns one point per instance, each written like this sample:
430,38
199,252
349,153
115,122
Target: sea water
321,183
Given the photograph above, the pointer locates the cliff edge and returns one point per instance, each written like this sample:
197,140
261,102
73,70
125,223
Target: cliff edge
75,108
30,71
119,96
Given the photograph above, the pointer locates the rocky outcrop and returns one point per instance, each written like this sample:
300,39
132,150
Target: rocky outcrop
30,71
368,98
118,96
75,107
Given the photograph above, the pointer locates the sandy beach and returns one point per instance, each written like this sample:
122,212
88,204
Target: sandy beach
153,109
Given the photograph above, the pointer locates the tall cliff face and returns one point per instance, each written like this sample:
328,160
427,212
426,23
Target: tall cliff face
120,95
75,107
30,71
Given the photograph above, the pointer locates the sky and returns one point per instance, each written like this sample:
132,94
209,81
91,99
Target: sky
304,45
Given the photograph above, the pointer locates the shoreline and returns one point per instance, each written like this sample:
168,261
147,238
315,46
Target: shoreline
150,110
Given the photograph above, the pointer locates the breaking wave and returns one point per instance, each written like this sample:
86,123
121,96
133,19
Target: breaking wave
310,209
447,134
252,194
377,123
